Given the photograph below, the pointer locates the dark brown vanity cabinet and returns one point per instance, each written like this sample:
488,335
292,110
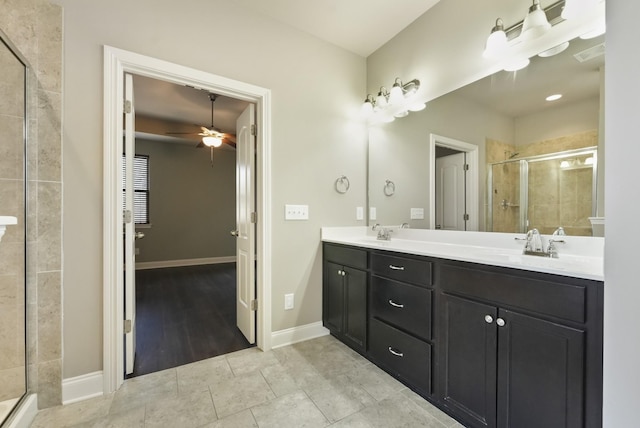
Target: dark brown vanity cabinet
345,294
400,318
512,358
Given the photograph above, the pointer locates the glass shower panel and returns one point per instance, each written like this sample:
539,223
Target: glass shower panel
505,197
561,194
13,245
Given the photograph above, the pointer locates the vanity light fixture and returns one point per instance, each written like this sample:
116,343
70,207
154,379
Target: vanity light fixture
496,42
388,105
575,8
535,23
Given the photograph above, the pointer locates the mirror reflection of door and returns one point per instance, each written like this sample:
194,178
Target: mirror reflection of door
450,189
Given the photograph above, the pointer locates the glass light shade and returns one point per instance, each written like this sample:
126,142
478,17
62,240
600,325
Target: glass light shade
212,141
535,23
367,108
403,113
516,64
554,50
574,8
381,100
396,96
496,45
417,107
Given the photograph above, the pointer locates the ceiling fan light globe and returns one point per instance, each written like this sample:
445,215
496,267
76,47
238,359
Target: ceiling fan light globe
212,141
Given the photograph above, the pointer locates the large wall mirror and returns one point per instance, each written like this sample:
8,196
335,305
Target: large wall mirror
532,162
13,123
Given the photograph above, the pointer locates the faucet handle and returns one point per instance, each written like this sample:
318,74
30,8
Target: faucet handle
559,231
375,226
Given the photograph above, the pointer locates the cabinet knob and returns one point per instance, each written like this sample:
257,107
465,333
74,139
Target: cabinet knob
341,272
396,353
500,322
488,319
395,305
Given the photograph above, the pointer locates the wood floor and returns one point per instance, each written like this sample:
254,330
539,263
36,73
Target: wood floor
185,314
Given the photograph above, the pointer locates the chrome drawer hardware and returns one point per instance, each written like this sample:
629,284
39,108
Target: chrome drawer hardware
500,322
396,353
488,319
395,305
341,272
396,267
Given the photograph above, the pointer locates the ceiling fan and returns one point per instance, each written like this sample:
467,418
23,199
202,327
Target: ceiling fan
211,136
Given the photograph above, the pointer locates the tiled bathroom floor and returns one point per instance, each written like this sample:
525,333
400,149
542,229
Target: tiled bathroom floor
317,383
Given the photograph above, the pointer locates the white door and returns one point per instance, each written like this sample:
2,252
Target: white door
245,223
129,228
451,192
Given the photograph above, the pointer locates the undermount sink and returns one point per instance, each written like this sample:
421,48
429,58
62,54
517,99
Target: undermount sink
6,221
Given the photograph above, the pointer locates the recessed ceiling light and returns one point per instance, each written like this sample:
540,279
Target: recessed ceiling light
553,97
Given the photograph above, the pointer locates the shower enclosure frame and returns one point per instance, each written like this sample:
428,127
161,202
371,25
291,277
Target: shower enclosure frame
524,182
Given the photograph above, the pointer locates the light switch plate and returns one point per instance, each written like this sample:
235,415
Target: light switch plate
296,212
359,213
373,215
288,301
417,214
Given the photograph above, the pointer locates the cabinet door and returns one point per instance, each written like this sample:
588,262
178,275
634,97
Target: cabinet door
468,365
355,312
333,297
540,373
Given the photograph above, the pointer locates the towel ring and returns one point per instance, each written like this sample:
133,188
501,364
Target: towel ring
342,184
389,187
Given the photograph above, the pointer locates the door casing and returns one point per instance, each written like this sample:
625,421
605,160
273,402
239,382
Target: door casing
117,62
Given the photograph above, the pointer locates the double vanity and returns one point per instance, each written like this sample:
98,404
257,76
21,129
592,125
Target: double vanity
491,336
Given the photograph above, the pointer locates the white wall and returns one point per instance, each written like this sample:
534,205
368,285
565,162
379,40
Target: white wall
622,205
316,90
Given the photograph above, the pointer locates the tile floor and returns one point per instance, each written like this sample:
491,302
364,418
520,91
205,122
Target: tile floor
317,383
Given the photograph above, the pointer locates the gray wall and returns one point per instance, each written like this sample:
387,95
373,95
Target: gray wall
191,203
317,89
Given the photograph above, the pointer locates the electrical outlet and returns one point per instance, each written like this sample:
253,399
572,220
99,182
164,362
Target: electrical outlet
288,301
417,214
359,213
296,212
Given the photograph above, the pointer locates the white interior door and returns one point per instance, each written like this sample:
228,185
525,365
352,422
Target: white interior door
245,223
129,228
451,192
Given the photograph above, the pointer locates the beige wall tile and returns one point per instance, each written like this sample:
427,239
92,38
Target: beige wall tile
49,136
49,316
49,36
49,226
49,384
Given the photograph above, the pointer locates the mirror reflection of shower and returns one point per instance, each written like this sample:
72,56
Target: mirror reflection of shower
543,192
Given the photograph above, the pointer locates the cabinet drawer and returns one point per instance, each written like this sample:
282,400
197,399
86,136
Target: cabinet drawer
401,355
565,300
401,268
348,256
406,306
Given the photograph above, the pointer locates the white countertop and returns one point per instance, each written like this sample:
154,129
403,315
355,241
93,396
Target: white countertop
5,221
579,256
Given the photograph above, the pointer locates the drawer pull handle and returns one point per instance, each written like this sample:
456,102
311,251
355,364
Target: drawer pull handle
396,267
396,353
395,305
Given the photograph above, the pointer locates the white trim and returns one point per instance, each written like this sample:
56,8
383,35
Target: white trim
82,387
301,333
472,178
184,262
116,63
25,414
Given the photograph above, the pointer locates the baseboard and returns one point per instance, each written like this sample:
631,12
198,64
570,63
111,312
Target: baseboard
185,262
297,334
25,414
82,387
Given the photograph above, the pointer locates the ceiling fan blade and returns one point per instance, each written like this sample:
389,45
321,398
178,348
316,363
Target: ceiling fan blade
200,145
180,133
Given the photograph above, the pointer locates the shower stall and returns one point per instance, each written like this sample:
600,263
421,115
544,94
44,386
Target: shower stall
543,192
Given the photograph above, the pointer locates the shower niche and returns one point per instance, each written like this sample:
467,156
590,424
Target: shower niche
543,192
13,208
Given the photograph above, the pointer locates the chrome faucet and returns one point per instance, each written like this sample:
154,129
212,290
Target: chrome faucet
384,233
559,231
533,245
404,226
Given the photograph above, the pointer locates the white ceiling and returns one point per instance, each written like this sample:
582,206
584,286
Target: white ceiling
360,26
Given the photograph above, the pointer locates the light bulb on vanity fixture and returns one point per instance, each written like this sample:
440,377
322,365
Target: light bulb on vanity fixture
537,33
397,103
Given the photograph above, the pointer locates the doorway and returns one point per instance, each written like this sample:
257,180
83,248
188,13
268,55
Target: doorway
184,210
118,62
468,218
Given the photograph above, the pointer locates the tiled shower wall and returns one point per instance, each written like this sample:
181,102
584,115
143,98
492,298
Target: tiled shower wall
35,28
556,198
